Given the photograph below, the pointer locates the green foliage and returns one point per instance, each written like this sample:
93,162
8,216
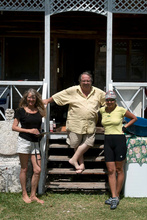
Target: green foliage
70,206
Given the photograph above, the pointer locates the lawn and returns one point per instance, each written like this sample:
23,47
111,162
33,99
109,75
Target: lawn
78,206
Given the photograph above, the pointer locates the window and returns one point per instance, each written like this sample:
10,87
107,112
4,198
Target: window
137,62
21,58
130,61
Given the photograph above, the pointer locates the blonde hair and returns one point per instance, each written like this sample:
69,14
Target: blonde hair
39,103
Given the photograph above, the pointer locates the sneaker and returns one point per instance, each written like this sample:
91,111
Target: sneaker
108,201
114,203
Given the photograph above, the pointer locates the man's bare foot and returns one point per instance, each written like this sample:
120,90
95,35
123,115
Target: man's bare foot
26,199
82,167
79,171
37,200
74,163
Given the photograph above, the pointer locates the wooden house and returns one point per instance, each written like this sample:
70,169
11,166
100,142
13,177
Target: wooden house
47,44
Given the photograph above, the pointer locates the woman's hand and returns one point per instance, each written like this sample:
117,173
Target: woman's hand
34,131
17,128
124,129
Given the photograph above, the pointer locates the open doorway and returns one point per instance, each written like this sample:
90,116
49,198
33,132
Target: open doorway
75,57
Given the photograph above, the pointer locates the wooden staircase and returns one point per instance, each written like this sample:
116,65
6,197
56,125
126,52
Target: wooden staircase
61,176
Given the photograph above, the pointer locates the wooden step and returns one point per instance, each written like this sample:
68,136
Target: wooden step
57,145
69,171
61,176
66,158
77,185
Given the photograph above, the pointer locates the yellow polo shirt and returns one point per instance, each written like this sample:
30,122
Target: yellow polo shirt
112,122
83,111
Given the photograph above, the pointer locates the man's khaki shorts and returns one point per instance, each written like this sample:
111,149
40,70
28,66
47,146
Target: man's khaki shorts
27,147
74,140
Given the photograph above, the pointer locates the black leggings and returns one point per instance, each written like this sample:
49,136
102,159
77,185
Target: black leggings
115,148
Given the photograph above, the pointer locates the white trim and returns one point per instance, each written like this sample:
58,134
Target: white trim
47,48
109,46
129,84
43,147
21,83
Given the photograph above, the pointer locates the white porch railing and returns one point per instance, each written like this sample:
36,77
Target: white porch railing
131,96
17,86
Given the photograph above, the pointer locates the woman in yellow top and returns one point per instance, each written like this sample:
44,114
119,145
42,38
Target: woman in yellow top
115,144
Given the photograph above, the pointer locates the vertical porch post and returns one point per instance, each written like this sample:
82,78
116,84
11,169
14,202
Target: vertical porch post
109,47
41,186
47,46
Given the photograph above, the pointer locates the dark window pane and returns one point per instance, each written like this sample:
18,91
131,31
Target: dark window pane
129,61
137,60
120,74
120,46
120,60
137,73
22,58
137,46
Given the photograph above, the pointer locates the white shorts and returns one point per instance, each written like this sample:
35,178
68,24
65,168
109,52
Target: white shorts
27,147
74,140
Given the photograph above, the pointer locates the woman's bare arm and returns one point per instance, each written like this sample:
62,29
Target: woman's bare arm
17,128
132,117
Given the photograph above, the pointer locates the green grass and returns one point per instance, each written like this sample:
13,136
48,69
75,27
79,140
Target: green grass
71,206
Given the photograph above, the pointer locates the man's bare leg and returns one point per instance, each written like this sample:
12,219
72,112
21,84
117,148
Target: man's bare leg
78,156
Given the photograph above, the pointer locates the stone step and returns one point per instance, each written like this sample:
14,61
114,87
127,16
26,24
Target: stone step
71,171
66,158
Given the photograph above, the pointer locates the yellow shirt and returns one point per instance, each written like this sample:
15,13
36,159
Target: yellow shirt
82,112
112,122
